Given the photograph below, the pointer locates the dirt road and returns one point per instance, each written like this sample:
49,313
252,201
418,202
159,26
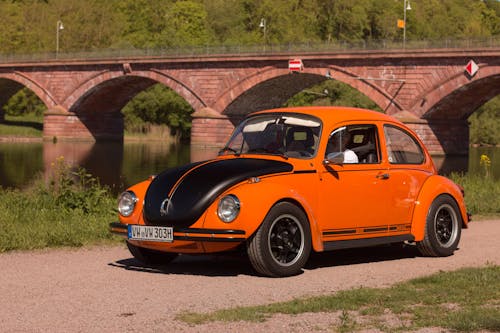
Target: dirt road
102,289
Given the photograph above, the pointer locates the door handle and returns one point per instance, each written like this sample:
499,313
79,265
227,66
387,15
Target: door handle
383,176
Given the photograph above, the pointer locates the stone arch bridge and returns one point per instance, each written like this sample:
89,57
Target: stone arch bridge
430,90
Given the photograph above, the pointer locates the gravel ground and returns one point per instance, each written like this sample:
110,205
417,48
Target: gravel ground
102,289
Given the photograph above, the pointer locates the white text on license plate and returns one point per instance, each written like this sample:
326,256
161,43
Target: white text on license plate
150,233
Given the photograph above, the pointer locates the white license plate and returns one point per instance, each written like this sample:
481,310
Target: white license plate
150,233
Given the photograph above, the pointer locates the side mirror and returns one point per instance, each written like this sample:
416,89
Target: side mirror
334,158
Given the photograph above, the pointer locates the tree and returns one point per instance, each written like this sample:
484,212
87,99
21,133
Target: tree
159,105
485,124
24,102
186,25
332,92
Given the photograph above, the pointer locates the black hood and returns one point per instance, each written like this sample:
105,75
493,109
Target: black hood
201,184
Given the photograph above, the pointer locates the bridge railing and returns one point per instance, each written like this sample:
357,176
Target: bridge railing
245,50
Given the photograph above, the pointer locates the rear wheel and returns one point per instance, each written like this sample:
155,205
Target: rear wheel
282,244
150,257
443,228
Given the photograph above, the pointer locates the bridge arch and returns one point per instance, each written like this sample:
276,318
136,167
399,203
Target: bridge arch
459,95
366,86
92,110
232,101
11,83
270,88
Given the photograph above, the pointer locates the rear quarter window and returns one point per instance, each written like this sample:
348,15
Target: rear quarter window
402,147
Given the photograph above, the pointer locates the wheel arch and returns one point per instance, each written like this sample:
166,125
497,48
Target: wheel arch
270,194
433,188
317,244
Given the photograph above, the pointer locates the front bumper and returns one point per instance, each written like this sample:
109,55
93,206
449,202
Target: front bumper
190,234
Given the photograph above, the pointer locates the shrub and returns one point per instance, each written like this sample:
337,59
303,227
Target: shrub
70,209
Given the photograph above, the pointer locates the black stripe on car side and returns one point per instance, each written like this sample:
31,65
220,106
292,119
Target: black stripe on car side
304,171
365,242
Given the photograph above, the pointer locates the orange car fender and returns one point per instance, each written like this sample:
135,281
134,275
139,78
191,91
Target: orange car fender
258,199
432,188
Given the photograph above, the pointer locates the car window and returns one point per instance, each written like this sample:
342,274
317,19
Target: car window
289,135
402,148
358,143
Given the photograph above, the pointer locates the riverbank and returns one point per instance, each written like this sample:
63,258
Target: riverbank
71,208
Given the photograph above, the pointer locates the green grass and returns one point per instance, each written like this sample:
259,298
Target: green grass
465,300
28,125
71,209
482,193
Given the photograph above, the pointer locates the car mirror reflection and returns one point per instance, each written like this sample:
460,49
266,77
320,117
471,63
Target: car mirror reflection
334,158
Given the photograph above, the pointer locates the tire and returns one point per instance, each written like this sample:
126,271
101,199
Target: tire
151,257
282,244
443,228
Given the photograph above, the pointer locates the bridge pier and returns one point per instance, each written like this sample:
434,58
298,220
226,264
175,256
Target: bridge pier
59,124
443,136
210,129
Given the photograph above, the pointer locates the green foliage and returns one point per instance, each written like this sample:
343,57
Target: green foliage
73,190
26,125
331,92
158,105
30,26
485,124
71,209
482,194
465,300
187,25
24,102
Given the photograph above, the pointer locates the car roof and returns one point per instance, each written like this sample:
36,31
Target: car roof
334,114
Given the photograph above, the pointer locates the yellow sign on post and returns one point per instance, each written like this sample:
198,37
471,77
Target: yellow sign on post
401,24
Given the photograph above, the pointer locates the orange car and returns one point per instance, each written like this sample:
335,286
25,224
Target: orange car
294,180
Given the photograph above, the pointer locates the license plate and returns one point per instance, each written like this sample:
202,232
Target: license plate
150,233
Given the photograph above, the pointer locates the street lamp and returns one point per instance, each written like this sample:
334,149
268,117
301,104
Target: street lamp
406,7
263,26
59,27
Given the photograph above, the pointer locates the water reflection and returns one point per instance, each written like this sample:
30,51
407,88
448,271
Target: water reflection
448,164
20,163
121,165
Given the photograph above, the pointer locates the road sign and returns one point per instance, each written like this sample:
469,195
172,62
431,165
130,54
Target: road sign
295,65
471,68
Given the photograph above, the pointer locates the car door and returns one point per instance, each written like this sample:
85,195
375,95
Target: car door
406,175
353,198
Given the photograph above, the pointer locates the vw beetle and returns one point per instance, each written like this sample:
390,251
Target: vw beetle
295,180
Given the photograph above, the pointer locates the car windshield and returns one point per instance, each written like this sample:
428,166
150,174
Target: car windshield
288,135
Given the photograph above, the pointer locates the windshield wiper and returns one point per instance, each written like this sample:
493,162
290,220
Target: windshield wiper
226,149
265,151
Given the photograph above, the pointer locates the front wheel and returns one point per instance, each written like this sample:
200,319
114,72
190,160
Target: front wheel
151,257
443,228
282,244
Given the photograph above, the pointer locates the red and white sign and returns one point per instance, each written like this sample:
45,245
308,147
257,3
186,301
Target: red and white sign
295,65
471,68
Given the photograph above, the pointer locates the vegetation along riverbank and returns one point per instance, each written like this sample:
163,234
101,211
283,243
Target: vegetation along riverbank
71,208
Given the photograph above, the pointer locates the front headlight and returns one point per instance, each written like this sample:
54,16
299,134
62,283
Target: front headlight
229,208
126,203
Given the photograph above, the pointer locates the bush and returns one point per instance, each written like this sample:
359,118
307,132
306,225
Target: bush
482,193
70,209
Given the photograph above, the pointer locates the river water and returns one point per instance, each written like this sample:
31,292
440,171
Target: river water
121,165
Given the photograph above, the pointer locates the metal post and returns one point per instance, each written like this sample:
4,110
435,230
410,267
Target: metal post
406,7
263,26
59,27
